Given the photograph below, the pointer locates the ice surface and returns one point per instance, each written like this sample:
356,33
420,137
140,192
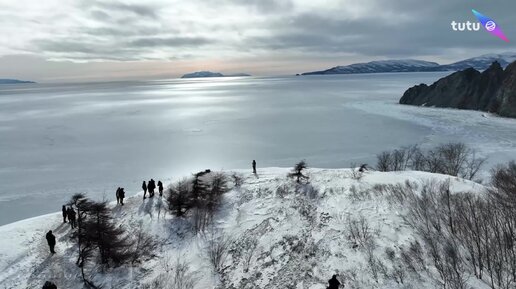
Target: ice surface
56,140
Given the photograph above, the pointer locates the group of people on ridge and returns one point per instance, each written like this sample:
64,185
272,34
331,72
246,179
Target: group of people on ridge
120,195
70,214
150,186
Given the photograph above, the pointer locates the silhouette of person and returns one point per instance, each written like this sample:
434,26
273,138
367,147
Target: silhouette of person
160,188
64,213
122,196
254,167
144,188
334,283
118,196
51,240
71,217
151,186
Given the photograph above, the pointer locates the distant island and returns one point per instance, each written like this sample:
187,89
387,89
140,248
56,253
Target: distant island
14,81
413,65
493,90
200,74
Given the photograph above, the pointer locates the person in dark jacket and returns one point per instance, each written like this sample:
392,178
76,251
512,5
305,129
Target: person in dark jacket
160,188
151,186
49,285
122,196
144,188
254,167
71,217
118,196
51,240
64,213
334,283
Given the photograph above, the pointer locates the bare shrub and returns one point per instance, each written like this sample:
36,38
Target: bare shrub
177,275
216,250
238,180
307,190
143,245
359,232
356,173
455,159
503,180
282,191
250,245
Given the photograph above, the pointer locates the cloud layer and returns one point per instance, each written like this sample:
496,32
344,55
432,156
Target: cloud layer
162,30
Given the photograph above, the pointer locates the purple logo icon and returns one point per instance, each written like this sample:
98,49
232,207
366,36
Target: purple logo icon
490,25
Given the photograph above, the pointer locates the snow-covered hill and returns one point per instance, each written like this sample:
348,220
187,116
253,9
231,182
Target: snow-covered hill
411,65
403,65
294,236
482,62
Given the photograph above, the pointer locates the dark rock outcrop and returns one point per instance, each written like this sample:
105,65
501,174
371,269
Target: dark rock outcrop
493,90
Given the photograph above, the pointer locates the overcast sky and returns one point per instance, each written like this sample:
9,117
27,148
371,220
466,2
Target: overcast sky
74,40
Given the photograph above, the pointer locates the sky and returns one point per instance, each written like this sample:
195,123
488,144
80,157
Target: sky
89,40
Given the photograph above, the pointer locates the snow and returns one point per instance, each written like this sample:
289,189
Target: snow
301,242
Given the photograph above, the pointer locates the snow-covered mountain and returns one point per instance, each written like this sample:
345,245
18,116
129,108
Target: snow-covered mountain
283,235
482,62
13,81
200,74
410,65
403,65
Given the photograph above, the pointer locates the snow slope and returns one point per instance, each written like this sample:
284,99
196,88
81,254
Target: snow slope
301,242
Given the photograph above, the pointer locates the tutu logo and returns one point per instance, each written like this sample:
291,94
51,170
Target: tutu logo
489,24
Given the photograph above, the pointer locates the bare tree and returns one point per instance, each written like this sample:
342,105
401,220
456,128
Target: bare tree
297,171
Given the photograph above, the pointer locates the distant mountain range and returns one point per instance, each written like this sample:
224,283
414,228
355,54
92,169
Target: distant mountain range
412,65
14,81
200,74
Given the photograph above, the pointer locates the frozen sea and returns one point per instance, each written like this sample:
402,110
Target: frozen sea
59,139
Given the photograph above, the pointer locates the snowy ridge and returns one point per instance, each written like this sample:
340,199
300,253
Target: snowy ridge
412,65
403,65
301,241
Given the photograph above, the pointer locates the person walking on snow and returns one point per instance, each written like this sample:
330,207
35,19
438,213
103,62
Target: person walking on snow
64,213
254,167
51,240
334,283
160,188
144,188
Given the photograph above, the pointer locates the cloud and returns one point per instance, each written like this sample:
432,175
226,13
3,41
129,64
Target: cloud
305,31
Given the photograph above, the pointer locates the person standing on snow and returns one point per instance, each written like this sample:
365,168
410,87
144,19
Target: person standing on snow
51,240
151,186
71,217
144,188
334,283
122,196
64,213
118,196
254,167
160,188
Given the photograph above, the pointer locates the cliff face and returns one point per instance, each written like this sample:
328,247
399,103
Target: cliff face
493,90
